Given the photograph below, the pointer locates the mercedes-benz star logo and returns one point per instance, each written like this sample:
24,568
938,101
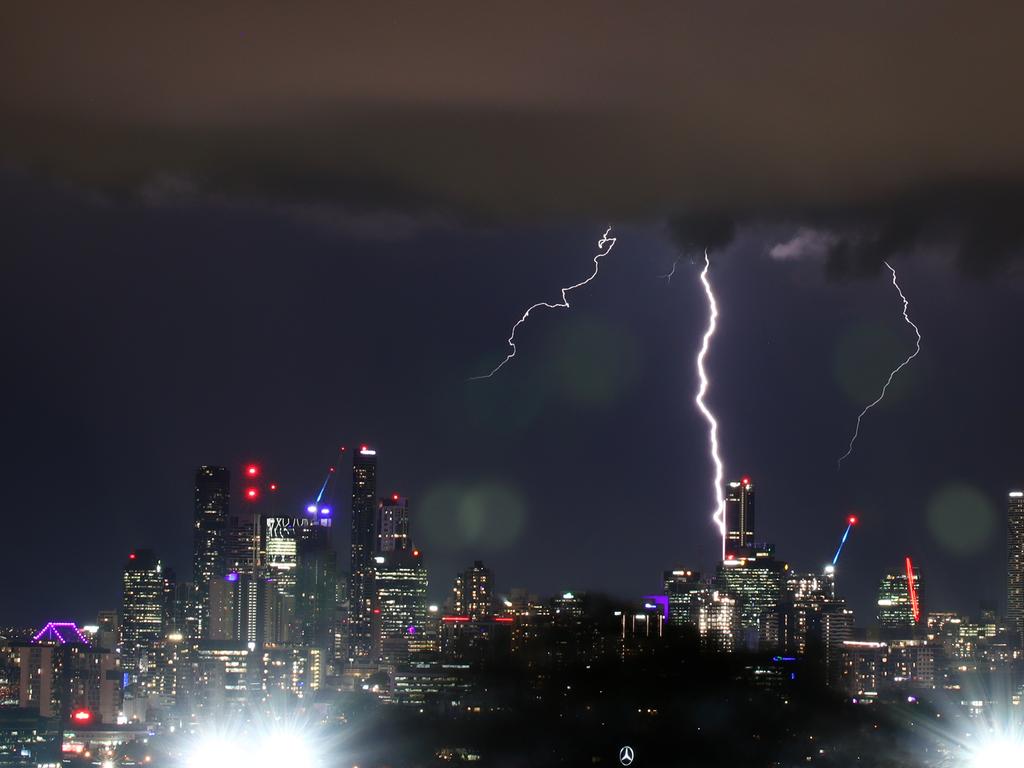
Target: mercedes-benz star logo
626,755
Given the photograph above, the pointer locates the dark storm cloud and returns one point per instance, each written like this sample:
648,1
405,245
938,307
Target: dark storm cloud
981,224
738,110
699,231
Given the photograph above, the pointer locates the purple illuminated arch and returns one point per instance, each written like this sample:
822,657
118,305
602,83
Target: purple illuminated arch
61,632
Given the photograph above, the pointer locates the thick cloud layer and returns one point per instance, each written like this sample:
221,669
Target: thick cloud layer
729,110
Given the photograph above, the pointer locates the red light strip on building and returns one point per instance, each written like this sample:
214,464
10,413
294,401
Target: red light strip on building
455,618
504,619
915,606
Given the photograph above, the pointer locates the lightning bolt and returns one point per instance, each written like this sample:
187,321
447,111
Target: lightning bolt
702,390
895,370
668,277
563,304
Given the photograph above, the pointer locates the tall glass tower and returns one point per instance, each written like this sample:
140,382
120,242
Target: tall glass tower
209,543
739,516
364,541
1015,564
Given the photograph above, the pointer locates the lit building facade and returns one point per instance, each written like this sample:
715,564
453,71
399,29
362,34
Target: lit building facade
900,599
210,527
756,581
400,617
739,515
143,610
363,547
393,524
473,592
1015,564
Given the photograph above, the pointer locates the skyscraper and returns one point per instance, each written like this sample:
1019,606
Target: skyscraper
212,494
364,541
143,609
400,583
316,586
393,524
739,515
473,592
756,579
681,587
1015,564
900,598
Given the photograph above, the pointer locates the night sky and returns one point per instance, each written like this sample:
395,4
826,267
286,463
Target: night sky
247,235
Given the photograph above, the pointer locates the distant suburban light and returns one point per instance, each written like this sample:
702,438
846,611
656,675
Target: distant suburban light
252,470
251,493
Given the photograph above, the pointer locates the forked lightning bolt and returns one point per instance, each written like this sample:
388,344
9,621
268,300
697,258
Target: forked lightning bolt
563,304
667,277
702,390
895,370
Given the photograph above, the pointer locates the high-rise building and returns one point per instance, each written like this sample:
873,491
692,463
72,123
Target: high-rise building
1015,564
316,587
473,592
900,598
739,516
393,524
363,549
400,612
681,586
60,672
756,580
143,610
212,496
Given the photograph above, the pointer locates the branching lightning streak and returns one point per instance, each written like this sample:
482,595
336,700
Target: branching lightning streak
892,375
719,514
563,304
668,277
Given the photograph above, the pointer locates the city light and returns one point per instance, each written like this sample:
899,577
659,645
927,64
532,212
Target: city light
82,716
280,747
1000,752
252,470
252,493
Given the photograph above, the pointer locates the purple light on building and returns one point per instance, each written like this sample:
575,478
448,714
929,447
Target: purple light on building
62,632
661,600
233,576
411,629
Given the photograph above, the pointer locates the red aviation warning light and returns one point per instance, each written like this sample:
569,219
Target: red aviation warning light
852,520
915,605
273,486
745,480
252,494
252,471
